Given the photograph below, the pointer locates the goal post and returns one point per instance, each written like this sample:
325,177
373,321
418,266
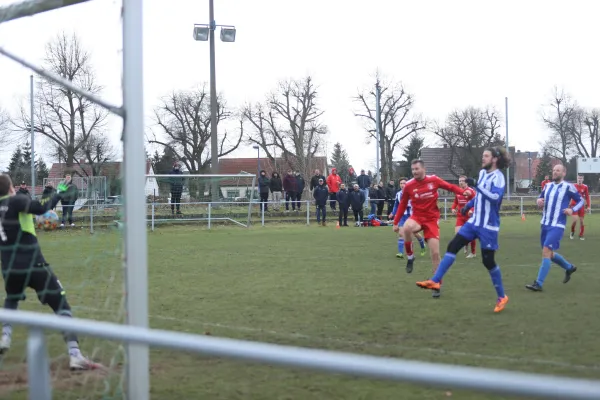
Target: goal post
177,198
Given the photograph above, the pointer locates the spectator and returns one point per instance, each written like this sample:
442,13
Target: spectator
333,183
176,189
263,189
344,201
23,189
364,183
276,189
291,188
373,198
390,196
70,193
301,184
356,199
320,194
381,195
314,181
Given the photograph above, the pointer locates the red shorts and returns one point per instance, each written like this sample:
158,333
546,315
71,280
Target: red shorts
580,213
461,219
429,227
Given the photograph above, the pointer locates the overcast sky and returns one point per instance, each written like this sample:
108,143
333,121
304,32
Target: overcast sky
449,54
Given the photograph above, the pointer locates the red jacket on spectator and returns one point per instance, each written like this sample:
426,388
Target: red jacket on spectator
290,183
334,181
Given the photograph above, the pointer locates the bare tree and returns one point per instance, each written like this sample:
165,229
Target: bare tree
65,118
96,152
467,133
184,121
584,132
289,122
398,121
562,118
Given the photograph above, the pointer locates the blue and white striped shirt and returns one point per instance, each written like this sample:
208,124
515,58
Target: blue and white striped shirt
557,197
490,191
408,211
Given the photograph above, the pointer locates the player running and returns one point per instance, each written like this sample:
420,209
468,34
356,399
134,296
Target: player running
484,224
400,254
23,265
422,193
584,192
461,200
555,199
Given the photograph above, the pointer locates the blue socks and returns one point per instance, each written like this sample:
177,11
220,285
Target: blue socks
444,266
496,276
401,246
422,243
560,260
543,272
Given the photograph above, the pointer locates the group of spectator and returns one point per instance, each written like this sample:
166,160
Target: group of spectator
332,189
68,199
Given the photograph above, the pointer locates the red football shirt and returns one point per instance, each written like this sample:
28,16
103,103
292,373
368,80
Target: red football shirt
423,196
460,200
584,192
544,183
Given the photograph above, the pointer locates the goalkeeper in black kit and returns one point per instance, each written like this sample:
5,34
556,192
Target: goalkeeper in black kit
23,265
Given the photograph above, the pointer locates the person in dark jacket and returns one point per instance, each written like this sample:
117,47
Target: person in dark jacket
176,189
291,188
321,194
301,184
373,196
356,199
364,183
264,184
314,181
381,196
69,195
344,201
276,189
390,196
23,189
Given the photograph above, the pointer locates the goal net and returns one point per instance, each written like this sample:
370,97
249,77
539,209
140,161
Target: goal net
205,199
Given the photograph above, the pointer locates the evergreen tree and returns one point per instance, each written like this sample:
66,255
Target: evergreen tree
41,171
26,164
15,167
412,151
339,160
543,168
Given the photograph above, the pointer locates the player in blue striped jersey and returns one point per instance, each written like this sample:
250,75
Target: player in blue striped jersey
555,199
406,215
484,224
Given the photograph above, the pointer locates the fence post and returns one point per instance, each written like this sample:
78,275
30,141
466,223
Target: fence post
445,209
262,213
307,212
152,215
209,213
522,212
38,366
91,218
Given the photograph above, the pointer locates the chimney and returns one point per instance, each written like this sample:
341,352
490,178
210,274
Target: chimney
445,146
81,161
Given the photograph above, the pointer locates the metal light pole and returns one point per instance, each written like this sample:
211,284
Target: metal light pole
507,148
529,160
204,32
32,138
255,147
378,122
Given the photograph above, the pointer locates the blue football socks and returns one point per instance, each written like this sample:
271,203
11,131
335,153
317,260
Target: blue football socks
444,266
496,276
421,243
560,260
543,272
401,246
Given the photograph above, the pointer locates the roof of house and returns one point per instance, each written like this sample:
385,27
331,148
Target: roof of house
111,169
253,165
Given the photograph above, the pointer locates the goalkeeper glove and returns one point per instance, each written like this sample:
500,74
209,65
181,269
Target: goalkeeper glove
62,187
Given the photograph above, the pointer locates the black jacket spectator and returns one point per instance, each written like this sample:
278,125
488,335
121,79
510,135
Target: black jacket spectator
321,195
343,198
276,184
364,182
23,190
314,181
176,183
381,194
356,199
300,183
373,194
390,192
264,183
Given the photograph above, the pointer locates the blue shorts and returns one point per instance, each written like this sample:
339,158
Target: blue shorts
403,220
488,239
551,237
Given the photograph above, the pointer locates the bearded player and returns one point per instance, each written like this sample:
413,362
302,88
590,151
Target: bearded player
584,193
407,213
461,200
422,193
484,224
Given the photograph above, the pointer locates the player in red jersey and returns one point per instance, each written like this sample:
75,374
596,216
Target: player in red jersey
544,182
422,191
584,192
461,200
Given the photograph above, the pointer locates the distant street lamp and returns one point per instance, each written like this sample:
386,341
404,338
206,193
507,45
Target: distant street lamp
202,33
529,159
256,147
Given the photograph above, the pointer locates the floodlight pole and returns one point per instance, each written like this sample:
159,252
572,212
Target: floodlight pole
214,141
378,122
507,147
32,138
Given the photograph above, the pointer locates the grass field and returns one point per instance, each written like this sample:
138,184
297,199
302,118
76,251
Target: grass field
327,288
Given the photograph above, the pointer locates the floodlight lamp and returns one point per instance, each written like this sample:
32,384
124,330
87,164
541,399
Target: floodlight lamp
255,147
201,33
228,34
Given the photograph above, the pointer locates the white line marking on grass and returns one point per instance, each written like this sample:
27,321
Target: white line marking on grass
330,340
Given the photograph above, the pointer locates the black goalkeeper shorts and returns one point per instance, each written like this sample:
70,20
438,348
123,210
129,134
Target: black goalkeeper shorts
39,278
